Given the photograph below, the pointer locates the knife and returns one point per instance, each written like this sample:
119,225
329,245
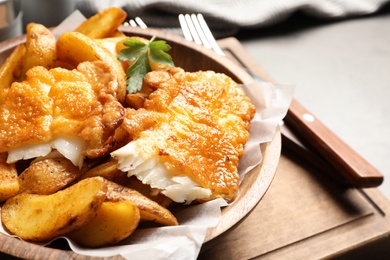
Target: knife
357,171
313,135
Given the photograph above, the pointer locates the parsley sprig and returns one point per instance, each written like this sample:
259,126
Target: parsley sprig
139,53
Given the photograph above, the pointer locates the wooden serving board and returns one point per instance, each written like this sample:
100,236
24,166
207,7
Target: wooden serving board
305,214
192,57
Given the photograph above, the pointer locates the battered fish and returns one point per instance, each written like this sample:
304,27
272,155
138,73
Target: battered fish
73,111
189,135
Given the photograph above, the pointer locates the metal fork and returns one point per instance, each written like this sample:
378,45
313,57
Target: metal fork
136,22
195,29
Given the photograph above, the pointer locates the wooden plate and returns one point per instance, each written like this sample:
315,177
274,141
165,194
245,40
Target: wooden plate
191,57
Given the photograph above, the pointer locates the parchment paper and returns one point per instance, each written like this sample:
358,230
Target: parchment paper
185,240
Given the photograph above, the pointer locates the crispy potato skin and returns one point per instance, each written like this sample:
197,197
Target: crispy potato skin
40,218
48,176
40,47
149,209
114,222
103,24
109,170
133,183
74,48
11,69
9,185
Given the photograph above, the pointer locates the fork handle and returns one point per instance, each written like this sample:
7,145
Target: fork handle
355,169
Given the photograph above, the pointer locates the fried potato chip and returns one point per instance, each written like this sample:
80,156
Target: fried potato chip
117,33
36,217
133,183
48,176
107,170
40,47
114,222
11,69
149,209
9,184
111,43
103,24
74,48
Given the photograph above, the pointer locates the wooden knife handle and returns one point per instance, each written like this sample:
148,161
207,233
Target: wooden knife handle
355,169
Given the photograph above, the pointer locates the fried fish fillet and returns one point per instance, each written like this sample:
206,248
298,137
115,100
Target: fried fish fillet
73,111
189,135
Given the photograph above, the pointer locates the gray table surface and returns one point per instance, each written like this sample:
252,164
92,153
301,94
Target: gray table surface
341,71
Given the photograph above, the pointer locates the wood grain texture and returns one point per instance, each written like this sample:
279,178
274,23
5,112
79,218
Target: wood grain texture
305,214
356,170
192,57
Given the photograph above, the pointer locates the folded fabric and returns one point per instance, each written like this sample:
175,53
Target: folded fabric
226,17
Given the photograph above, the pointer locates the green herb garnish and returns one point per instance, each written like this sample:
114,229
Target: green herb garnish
140,53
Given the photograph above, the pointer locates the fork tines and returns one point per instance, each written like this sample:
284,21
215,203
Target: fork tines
136,22
195,29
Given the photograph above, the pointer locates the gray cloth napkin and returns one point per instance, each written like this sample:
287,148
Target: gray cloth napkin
226,17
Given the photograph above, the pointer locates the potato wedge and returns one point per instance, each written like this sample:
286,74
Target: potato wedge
9,185
114,222
40,47
117,33
48,176
108,170
11,69
74,48
111,43
35,217
149,210
145,189
103,24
